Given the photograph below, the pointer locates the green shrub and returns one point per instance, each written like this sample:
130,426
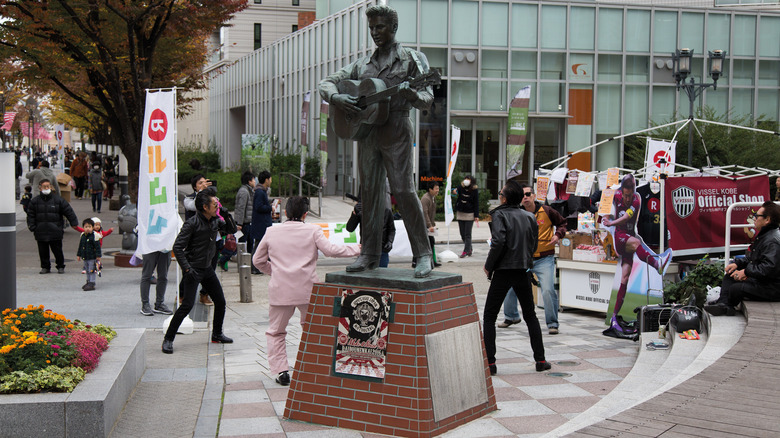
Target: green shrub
695,283
283,184
209,161
227,187
51,378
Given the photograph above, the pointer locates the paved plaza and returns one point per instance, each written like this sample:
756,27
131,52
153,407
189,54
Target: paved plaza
206,389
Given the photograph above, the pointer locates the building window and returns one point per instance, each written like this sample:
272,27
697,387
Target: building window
258,2
294,27
258,35
296,2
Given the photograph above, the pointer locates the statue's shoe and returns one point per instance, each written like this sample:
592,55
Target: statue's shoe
364,262
424,266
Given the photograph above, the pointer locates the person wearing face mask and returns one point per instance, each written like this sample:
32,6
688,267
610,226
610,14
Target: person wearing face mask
96,186
44,219
466,211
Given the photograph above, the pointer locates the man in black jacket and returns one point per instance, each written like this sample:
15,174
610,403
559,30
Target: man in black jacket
757,276
44,219
194,250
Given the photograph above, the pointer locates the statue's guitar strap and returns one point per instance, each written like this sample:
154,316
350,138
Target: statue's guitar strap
416,58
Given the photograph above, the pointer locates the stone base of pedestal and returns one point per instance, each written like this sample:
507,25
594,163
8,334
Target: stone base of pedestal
436,376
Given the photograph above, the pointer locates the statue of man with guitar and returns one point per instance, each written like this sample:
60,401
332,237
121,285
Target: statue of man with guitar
370,102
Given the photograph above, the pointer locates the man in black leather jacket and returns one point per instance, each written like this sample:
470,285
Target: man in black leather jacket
44,219
514,236
194,250
757,276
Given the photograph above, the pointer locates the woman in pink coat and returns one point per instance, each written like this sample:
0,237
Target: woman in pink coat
289,254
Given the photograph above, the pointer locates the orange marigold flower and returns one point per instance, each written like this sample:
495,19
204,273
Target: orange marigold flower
70,326
23,315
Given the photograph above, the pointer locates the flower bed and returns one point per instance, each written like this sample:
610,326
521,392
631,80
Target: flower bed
43,351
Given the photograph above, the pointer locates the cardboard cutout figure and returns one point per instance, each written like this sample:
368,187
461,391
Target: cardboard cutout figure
639,274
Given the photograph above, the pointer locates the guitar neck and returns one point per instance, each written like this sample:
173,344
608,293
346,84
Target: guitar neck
378,97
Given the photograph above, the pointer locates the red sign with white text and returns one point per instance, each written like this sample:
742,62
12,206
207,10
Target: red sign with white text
696,210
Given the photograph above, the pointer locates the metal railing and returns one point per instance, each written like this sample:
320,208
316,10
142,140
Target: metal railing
292,185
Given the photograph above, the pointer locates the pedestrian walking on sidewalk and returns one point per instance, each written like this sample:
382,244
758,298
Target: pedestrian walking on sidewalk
194,249
428,202
96,186
513,241
293,271
466,211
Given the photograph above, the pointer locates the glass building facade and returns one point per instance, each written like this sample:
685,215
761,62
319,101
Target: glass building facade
596,70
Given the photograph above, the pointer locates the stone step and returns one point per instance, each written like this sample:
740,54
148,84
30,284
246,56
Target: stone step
657,371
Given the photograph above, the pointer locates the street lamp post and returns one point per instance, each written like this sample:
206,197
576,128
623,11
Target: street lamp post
682,68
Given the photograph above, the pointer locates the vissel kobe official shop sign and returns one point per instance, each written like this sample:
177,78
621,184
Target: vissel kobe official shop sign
696,210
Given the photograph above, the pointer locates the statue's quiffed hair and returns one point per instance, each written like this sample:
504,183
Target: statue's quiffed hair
384,11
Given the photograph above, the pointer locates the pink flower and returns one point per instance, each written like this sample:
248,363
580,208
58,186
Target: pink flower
55,346
55,354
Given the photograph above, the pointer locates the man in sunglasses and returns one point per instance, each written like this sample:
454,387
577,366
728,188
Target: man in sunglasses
757,275
552,227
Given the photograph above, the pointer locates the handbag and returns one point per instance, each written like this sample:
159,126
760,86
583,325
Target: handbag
686,318
230,243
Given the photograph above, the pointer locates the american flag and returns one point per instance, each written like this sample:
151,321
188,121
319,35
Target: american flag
8,120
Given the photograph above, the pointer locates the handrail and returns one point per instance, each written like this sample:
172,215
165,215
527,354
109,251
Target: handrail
310,187
729,226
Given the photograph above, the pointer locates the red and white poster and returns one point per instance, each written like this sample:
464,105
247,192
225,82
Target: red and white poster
361,346
696,210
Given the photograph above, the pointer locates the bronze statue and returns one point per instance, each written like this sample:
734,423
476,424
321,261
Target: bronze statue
370,100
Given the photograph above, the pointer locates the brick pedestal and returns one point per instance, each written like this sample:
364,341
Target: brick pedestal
436,373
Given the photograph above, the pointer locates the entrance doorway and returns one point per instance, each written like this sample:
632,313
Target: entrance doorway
482,146
546,142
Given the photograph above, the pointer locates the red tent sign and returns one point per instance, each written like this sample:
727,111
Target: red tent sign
697,206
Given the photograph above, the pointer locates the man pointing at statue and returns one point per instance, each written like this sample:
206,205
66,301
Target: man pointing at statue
385,134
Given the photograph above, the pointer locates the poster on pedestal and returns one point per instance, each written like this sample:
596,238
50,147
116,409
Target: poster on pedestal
361,344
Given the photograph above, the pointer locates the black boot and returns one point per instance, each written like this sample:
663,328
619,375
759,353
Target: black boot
167,346
219,338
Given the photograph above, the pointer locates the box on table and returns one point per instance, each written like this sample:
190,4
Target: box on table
586,255
570,241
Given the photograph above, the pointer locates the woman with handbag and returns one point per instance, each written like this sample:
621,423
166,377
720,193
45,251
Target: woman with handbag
466,211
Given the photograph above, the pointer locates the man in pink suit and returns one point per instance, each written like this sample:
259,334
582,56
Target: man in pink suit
289,254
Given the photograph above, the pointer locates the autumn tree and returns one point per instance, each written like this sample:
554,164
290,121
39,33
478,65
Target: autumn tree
101,55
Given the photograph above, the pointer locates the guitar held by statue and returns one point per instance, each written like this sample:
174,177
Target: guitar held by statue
374,100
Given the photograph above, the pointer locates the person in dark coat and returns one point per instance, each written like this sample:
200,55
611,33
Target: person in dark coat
388,231
757,276
194,249
44,219
466,211
514,237
261,210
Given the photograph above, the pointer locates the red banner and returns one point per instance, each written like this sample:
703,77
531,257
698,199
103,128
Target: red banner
696,210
